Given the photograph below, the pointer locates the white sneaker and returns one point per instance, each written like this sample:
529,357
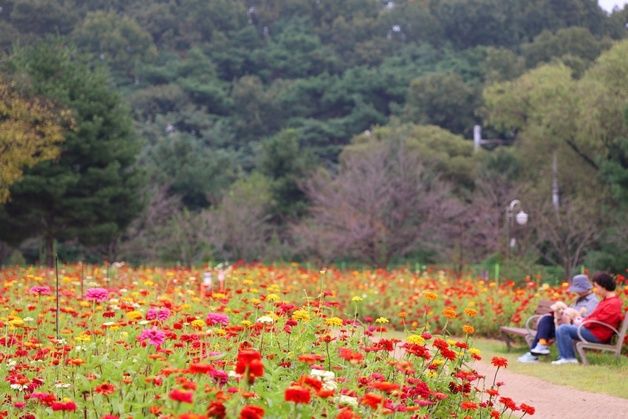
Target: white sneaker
562,361
540,350
528,358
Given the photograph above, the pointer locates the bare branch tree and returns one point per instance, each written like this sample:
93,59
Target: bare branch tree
567,234
382,203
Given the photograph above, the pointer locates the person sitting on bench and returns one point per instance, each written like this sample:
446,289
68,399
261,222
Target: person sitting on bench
546,326
608,312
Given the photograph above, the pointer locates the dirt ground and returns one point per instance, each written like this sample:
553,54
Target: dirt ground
554,401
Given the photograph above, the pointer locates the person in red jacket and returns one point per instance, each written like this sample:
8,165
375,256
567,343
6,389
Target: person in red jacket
608,311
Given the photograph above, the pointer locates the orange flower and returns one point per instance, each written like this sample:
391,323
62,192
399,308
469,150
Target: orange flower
372,400
385,386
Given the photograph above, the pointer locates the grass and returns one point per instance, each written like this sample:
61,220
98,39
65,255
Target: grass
606,374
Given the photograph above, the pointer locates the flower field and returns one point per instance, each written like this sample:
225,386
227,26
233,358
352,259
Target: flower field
250,342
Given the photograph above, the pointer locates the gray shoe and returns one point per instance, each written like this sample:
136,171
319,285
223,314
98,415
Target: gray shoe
563,361
540,350
528,358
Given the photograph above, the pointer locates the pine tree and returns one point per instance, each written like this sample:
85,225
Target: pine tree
90,193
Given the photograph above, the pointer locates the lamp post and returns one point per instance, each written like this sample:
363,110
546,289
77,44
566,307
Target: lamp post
520,217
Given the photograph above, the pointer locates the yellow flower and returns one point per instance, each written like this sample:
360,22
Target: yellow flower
220,332
134,315
357,299
149,283
246,323
83,338
415,340
333,321
429,295
218,296
382,320
17,322
468,329
301,315
272,298
85,304
247,282
474,351
198,324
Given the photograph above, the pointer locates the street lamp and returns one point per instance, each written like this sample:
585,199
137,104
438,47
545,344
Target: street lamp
520,217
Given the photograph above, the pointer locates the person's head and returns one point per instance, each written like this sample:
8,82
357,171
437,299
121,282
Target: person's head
580,285
603,283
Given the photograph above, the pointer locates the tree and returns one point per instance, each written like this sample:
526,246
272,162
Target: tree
381,204
30,132
117,40
441,99
90,192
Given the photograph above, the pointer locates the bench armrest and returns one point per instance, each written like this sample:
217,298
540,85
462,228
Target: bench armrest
532,318
597,322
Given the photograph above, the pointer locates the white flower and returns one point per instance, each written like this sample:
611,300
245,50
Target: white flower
233,374
342,399
28,319
265,320
330,385
142,322
62,385
323,375
18,387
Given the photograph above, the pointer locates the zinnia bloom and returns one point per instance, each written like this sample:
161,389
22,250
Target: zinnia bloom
97,294
251,412
372,400
527,409
40,290
297,394
154,336
65,406
499,362
181,396
217,319
160,314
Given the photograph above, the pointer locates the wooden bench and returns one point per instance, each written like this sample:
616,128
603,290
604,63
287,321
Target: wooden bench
612,347
529,330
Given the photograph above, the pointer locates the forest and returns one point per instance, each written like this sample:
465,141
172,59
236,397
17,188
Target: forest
189,131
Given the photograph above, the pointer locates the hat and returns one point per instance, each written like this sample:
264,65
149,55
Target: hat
580,283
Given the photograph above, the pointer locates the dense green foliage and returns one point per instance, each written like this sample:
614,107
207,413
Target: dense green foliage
228,91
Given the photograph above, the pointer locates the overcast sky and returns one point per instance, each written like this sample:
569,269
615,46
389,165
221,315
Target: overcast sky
609,4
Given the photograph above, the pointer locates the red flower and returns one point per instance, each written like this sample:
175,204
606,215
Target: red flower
499,362
385,386
251,412
105,388
250,362
217,410
68,406
200,369
468,405
509,403
181,396
372,400
527,409
297,394
347,413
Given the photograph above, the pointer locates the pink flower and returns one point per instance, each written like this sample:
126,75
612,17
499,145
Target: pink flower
217,318
158,314
155,336
97,294
40,290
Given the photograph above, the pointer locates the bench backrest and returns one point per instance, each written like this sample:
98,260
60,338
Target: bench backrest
623,329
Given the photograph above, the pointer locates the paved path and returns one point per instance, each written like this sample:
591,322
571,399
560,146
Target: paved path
554,401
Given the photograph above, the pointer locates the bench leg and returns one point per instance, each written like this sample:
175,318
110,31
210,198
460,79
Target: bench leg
508,341
582,355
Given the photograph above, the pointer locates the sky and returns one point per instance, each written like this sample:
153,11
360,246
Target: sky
609,4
